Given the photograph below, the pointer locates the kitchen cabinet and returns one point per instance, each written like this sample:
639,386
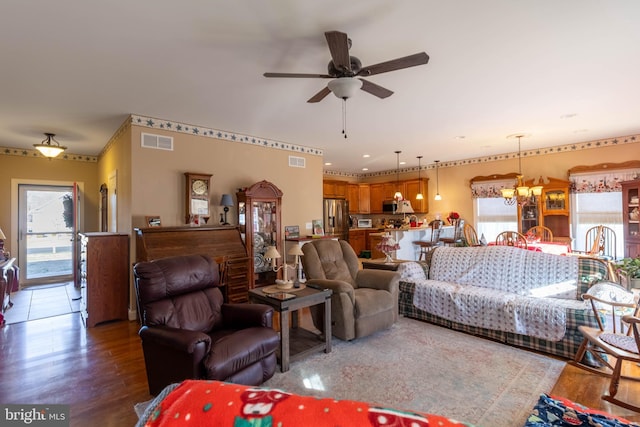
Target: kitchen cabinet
104,277
631,217
358,240
376,197
411,190
333,189
358,196
259,219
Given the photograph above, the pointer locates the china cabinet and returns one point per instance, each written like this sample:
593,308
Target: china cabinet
631,217
259,213
550,209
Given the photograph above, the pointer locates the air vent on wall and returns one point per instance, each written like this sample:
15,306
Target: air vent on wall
158,142
297,162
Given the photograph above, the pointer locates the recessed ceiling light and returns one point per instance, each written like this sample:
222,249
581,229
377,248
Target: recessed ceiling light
365,169
403,163
460,137
581,130
328,164
568,116
366,156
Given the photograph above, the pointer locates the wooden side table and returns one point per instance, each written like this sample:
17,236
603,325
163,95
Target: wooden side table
297,342
380,264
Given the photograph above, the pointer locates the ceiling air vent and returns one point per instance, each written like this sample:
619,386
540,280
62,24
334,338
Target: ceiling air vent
158,142
297,162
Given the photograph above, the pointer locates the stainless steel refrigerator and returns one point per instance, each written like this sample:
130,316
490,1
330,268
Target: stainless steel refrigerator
336,218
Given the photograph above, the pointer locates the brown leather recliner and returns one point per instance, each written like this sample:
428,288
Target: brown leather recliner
189,333
363,301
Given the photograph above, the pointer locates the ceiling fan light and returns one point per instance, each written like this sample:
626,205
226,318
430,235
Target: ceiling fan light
344,87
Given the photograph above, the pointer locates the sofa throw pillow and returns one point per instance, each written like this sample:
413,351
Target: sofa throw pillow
551,411
412,272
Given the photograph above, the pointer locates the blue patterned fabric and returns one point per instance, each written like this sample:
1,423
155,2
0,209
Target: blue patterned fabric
551,412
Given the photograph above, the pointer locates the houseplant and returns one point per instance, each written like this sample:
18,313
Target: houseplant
629,270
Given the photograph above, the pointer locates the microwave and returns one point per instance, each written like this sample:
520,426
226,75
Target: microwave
365,223
389,206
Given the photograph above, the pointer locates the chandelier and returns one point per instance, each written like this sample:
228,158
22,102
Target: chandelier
520,194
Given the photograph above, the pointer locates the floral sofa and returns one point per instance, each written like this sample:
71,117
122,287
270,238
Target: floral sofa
524,298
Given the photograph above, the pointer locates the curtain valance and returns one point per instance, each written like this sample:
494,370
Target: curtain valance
487,189
601,181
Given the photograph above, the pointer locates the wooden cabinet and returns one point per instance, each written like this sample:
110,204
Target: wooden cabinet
333,189
555,208
358,240
631,217
376,197
104,277
358,197
259,213
411,190
235,280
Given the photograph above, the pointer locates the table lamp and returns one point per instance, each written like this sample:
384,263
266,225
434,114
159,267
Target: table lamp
226,201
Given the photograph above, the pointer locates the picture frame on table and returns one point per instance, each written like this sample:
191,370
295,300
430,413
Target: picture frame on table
291,232
317,227
153,221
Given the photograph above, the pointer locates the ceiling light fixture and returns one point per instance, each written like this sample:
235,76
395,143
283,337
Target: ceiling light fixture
419,196
398,195
438,196
46,147
520,194
344,88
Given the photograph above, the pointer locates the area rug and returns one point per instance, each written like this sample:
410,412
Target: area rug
420,366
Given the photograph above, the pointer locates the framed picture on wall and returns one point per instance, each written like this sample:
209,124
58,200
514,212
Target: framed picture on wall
153,221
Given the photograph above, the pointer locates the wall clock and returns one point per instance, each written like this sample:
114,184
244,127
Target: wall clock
197,193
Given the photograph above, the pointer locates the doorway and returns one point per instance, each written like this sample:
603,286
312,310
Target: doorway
47,224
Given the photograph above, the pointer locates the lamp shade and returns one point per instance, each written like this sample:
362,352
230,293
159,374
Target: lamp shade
295,250
226,200
405,207
49,147
344,87
2,236
272,253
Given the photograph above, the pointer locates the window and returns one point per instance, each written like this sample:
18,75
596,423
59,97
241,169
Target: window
592,209
492,216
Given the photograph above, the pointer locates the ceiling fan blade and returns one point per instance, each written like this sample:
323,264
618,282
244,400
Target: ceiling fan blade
339,47
375,89
299,75
395,64
320,95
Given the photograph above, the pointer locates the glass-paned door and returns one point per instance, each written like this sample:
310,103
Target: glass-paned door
46,227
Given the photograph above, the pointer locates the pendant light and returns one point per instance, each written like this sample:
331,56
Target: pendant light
398,195
438,196
419,196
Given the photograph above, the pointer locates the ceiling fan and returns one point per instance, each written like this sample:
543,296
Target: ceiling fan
346,70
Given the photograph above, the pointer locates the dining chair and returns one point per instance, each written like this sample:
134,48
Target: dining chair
606,348
544,234
457,234
470,235
427,245
512,238
600,242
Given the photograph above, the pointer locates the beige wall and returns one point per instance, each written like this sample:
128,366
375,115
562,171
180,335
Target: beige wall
158,182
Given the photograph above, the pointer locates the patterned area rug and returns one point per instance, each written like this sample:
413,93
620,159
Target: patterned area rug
420,366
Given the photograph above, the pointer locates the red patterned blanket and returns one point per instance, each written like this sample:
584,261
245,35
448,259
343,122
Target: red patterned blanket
214,403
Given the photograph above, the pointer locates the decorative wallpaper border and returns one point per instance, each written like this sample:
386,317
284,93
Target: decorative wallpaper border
22,152
154,123
599,143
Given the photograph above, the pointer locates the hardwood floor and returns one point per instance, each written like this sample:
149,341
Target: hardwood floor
100,371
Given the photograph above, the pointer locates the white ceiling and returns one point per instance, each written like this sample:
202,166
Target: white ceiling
562,71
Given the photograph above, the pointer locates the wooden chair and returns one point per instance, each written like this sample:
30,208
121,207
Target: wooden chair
470,235
600,242
541,232
511,238
457,234
600,344
427,245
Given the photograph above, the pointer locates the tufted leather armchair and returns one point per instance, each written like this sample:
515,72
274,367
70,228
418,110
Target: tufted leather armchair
189,333
363,301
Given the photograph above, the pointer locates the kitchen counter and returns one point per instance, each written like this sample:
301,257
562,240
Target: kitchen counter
405,238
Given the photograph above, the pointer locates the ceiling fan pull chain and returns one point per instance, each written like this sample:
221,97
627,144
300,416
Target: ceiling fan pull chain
344,117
